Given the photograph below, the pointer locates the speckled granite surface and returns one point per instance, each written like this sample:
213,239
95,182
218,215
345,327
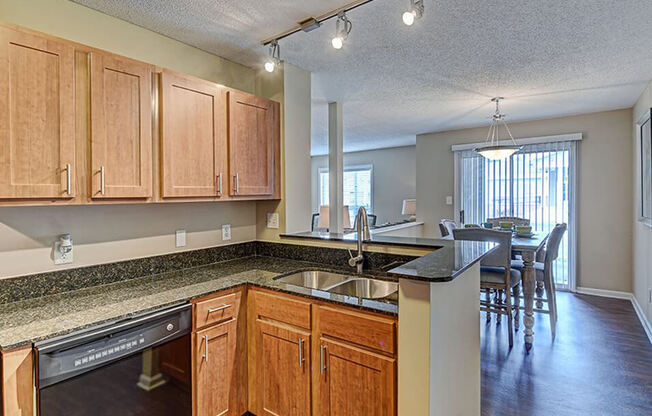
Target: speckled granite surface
41,318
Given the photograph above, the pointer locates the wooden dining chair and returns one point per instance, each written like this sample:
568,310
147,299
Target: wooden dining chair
544,274
516,220
446,227
496,274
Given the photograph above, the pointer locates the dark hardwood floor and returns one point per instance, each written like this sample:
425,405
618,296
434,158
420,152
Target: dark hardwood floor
600,363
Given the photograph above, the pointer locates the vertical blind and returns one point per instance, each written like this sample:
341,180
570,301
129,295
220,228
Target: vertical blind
535,183
357,188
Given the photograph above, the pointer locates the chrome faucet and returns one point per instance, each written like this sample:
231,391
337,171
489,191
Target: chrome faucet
363,234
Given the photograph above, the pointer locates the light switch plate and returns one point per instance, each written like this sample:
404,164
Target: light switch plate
272,220
181,238
226,232
449,200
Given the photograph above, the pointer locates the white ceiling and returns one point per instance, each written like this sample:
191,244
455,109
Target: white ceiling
548,58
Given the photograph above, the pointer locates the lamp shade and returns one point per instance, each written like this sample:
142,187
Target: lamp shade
409,207
324,217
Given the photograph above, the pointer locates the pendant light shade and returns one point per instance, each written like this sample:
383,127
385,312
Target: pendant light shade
492,150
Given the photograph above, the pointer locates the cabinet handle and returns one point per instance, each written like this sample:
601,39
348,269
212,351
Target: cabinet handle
322,359
102,180
219,308
219,184
205,357
301,359
237,183
68,180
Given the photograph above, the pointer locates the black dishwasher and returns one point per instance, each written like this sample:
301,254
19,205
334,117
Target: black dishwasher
137,367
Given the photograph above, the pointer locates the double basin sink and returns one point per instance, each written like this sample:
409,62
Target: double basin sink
357,286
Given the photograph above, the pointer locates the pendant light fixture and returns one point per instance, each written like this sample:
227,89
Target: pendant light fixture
414,12
492,149
274,59
342,29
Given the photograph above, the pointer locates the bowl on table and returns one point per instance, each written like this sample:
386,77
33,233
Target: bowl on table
506,225
524,230
488,225
471,226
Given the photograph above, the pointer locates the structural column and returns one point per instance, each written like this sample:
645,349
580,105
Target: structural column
335,167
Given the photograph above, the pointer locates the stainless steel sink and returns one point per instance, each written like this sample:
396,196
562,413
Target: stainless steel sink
315,279
361,287
366,288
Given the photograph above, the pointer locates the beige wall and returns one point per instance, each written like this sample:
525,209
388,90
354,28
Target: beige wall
110,233
604,188
642,250
393,181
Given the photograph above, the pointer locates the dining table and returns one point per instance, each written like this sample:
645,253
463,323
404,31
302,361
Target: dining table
527,247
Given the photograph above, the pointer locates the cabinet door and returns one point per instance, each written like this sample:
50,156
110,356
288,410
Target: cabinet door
355,382
283,384
215,372
253,137
121,127
193,137
37,137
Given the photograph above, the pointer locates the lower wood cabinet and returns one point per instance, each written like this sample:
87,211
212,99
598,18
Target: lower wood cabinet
215,356
354,381
283,379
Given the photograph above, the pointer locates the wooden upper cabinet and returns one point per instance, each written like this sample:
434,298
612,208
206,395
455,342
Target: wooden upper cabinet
354,381
37,115
121,127
283,373
253,144
193,137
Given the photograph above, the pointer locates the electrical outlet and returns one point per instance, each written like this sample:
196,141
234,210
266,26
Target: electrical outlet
272,220
449,200
226,232
63,250
181,238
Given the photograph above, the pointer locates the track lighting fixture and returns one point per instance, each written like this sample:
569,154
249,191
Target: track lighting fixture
415,12
342,30
274,59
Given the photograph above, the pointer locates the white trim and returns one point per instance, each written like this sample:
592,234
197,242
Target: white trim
622,295
641,316
604,293
644,118
528,140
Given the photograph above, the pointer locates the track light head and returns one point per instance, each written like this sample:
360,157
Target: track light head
415,12
274,59
342,29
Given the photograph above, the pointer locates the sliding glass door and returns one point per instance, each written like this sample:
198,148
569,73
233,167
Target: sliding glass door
537,183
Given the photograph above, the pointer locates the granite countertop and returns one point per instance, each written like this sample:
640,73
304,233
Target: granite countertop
33,320
448,259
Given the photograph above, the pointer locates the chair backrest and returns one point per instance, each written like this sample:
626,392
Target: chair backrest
446,227
553,242
519,222
314,222
501,256
371,220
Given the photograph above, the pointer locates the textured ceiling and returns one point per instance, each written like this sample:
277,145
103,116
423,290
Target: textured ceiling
547,58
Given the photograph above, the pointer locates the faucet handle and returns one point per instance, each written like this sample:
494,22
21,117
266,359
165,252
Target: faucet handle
350,253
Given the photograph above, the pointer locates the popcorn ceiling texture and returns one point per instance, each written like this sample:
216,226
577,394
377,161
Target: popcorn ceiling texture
548,58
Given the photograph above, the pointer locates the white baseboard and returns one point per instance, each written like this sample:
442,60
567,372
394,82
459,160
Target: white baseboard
621,295
604,293
642,317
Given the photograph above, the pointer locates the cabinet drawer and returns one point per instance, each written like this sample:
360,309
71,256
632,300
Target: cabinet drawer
282,309
369,331
219,309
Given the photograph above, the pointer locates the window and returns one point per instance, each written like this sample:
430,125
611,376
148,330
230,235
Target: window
358,189
535,183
